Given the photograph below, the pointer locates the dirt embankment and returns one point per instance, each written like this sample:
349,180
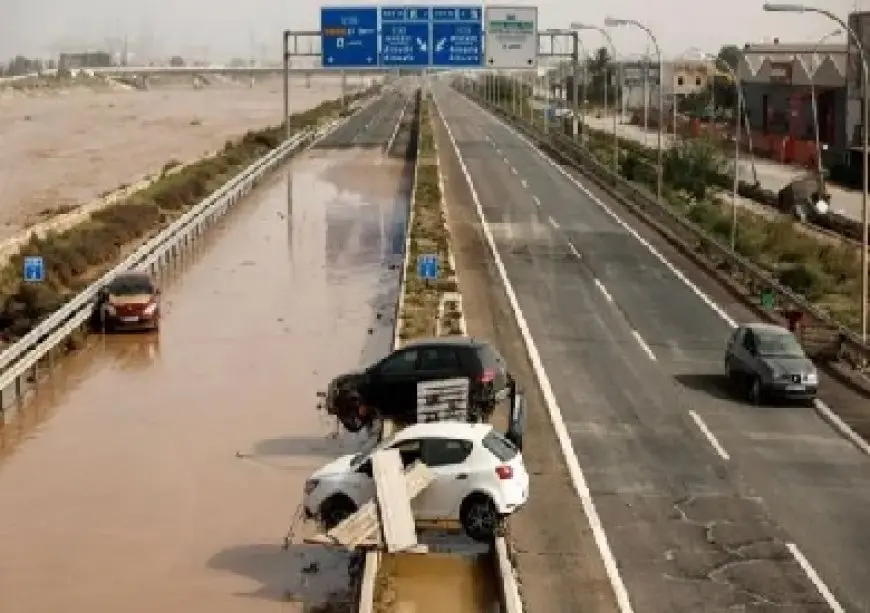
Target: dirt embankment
65,147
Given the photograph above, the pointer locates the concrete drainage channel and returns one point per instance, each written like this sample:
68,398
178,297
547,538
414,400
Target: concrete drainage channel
481,577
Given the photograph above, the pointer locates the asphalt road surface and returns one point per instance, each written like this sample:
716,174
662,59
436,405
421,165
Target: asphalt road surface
161,473
708,504
373,126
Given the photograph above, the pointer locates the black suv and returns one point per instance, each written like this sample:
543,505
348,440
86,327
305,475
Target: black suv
388,388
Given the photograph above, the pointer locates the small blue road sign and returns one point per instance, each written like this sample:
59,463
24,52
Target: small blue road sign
406,36
427,267
34,269
349,37
457,36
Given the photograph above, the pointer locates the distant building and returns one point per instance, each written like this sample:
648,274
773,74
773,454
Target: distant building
87,59
778,80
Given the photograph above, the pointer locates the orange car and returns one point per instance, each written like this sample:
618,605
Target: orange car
130,301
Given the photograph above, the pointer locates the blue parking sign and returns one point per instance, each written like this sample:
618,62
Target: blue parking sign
427,267
34,269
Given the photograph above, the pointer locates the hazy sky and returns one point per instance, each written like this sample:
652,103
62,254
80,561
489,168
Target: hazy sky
220,29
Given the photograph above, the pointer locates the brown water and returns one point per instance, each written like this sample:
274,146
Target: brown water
436,582
128,494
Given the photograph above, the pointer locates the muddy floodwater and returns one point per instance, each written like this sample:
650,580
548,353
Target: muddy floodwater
161,473
439,582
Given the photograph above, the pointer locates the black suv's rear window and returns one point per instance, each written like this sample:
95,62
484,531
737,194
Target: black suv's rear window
490,358
499,446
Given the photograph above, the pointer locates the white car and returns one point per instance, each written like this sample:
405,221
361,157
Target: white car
479,478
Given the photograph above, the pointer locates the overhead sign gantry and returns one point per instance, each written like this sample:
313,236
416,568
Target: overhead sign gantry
417,37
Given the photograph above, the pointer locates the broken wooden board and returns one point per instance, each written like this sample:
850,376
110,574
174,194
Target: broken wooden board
397,518
364,527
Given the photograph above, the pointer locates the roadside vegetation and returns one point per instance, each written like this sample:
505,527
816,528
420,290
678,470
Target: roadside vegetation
76,257
428,235
827,274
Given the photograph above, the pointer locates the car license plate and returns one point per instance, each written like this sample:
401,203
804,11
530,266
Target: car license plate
129,320
794,388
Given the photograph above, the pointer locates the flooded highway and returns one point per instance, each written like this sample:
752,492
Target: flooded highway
160,474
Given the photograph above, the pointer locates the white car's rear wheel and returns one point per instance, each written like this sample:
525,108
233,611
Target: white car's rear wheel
335,510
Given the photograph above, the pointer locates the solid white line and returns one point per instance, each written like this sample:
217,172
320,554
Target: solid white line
578,479
841,427
814,577
536,200
601,287
643,345
554,223
524,183
714,442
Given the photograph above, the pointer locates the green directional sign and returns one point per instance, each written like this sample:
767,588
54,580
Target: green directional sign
768,299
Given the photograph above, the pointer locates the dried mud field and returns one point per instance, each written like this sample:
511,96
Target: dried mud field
65,147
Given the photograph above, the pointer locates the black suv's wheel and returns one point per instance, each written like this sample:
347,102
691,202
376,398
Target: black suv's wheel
335,510
480,518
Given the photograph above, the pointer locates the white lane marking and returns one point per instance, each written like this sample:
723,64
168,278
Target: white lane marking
643,345
578,479
506,161
554,223
823,410
600,286
814,577
655,252
711,438
524,183
536,200
841,427
498,151
574,251
513,170
819,405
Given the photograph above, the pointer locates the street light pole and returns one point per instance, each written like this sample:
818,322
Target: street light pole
815,106
582,26
612,22
865,73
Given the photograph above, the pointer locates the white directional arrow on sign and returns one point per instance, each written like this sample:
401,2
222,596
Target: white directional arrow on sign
369,60
329,59
439,46
422,44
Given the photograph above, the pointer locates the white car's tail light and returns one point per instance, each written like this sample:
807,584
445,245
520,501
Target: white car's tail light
504,472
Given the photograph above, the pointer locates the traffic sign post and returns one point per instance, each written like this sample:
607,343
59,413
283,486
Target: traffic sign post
34,269
457,37
511,37
349,37
406,35
427,267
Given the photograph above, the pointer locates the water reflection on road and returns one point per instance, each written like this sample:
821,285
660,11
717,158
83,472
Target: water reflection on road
129,494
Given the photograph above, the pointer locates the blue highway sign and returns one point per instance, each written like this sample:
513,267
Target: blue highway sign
34,269
457,36
427,267
406,36
349,37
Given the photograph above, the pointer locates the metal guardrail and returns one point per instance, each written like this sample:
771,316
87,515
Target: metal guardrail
19,358
691,238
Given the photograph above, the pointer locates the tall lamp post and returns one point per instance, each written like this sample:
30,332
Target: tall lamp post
815,104
738,116
612,22
582,26
865,111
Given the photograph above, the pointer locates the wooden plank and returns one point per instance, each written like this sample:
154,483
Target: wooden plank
397,518
363,528
443,400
